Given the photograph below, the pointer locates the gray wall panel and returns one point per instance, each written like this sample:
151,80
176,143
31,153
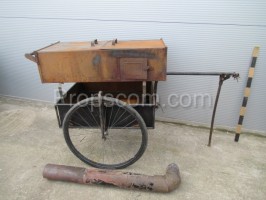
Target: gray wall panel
200,35
193,11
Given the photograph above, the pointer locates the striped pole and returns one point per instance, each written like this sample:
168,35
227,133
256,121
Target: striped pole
246,93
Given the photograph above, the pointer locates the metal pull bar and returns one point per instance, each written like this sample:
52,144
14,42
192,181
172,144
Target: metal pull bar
222,77
233,74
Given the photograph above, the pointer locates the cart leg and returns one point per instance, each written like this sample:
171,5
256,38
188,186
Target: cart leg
144,92
60,91
221,80
102,117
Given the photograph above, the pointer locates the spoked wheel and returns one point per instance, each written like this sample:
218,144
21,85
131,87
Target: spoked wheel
105,132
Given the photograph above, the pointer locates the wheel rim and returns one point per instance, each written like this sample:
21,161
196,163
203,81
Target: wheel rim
123,143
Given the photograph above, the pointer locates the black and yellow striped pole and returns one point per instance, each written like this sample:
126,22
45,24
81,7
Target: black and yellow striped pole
247,92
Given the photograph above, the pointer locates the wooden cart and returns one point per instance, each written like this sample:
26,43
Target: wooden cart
105,115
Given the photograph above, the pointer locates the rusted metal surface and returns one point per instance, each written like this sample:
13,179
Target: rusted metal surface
100,61
127,180
34,55
138,68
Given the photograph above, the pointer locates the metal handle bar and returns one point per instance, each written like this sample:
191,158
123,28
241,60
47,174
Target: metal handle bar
222,77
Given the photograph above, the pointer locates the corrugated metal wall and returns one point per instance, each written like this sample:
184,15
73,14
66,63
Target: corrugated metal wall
202,35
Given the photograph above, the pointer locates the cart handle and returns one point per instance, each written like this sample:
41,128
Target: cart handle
31,56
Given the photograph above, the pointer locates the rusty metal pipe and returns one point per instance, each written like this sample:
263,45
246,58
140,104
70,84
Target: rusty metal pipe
158,183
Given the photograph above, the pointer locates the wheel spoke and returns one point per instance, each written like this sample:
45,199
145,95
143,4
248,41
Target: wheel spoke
122,120
93,116
115,115
129,123
83,119
79,125
110,116
118,118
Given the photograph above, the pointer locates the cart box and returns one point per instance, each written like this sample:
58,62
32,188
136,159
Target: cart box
102,61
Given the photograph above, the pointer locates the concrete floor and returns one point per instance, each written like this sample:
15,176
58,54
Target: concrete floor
30,138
